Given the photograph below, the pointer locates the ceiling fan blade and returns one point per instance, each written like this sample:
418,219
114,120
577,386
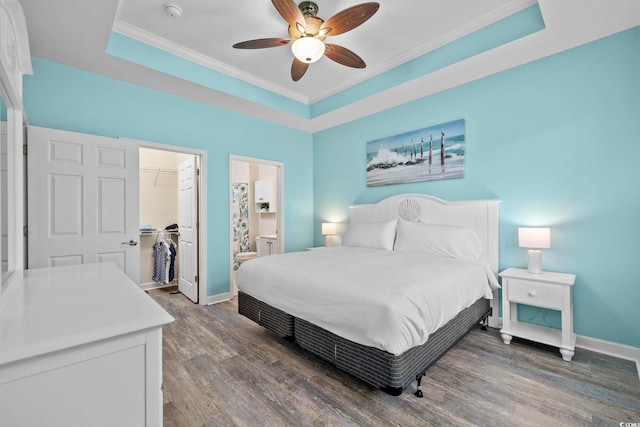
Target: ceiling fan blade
350,18
290,11
343,56
298,68
262,43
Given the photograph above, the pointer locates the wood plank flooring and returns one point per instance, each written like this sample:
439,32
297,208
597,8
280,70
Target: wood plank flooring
221,369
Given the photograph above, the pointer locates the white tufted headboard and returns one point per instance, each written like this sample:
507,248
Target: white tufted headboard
479,215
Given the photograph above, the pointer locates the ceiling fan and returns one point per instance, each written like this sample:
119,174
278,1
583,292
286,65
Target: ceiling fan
307,33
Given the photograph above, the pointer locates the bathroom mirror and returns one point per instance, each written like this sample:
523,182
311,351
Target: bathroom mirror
15,61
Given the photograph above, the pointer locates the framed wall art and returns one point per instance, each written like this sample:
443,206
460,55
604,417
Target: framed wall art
428,154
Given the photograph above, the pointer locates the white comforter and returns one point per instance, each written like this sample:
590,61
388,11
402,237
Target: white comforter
378,298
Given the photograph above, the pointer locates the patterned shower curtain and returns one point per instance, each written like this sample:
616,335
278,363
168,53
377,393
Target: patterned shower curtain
240,218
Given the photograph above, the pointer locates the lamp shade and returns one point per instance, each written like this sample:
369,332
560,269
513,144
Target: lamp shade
308,49
328,228
534,237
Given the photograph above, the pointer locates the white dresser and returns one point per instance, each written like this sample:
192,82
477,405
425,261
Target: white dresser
80,346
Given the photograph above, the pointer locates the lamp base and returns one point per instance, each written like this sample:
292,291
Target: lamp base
328,241
535,261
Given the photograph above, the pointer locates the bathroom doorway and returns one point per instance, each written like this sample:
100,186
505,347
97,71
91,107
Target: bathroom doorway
256,201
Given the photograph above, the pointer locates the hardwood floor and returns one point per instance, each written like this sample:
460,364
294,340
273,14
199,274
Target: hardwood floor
221,369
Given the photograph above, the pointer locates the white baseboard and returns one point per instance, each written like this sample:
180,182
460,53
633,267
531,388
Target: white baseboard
215,299
609,348
154,285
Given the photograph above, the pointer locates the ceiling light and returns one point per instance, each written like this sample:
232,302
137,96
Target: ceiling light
308,49
173,11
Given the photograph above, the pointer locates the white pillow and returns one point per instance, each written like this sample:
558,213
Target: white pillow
377,235
449,240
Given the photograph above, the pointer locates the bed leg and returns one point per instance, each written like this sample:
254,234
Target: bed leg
418,392
484,323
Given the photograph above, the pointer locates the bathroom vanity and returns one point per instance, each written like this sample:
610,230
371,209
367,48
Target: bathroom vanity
267,245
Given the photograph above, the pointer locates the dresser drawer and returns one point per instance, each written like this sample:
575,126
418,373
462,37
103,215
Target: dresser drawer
534,293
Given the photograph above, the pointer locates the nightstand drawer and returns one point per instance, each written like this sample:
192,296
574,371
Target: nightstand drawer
536,294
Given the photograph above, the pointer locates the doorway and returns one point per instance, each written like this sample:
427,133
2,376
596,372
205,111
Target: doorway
256,201
83,211
169,194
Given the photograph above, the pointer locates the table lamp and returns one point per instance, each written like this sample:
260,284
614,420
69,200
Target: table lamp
535,238
329,230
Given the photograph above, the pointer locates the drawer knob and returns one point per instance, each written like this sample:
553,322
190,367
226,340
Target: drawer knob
532,293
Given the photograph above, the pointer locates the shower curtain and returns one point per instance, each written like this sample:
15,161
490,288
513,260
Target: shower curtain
240,225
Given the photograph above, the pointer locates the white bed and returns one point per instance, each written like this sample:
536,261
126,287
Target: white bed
411,265
385,299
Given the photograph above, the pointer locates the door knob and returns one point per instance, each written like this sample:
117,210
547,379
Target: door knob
130,242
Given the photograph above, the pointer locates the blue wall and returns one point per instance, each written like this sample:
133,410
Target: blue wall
558,141
161,60
62,97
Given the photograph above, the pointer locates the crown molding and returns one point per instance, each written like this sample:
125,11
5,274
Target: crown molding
153,40
485,20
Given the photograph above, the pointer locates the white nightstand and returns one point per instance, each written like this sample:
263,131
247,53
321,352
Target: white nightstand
546,290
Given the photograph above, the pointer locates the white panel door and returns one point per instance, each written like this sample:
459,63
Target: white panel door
187,223
82,200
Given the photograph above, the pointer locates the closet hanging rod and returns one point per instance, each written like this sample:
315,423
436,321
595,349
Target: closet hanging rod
160,170
176,232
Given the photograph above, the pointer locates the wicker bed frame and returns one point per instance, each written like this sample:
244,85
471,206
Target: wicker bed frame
392,373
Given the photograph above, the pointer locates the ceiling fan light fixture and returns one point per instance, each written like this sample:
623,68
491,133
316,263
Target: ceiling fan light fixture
308,49
307,33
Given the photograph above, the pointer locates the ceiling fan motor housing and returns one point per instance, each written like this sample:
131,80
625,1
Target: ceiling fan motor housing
312,23
312,26
308,8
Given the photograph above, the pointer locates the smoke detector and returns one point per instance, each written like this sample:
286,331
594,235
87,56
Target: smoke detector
173,11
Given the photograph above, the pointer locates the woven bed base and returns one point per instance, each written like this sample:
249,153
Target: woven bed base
273,319
391,373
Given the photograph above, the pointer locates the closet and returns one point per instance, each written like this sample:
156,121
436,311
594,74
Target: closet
160,241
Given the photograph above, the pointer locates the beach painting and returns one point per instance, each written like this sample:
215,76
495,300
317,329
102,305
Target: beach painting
429,154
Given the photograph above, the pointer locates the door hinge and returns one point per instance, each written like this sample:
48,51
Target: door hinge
24,149
197,172
197,279
197,225
25,231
